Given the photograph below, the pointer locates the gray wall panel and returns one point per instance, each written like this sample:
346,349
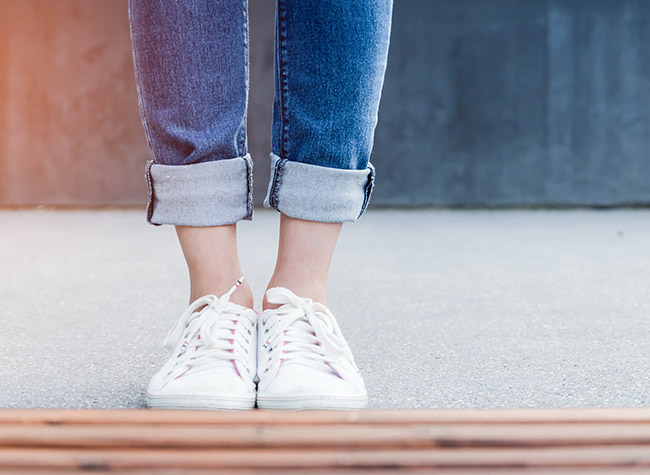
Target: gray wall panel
516,102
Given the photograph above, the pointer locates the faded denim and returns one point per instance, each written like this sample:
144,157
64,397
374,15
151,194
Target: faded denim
191,70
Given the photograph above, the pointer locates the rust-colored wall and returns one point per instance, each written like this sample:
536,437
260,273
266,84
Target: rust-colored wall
69,120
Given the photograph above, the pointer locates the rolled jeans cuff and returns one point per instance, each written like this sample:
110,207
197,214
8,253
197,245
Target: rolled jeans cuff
317,193
211,193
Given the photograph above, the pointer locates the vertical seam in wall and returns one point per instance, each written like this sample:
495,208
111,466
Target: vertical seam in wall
282,35
547,93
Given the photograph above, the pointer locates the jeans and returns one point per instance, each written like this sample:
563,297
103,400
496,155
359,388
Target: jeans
192,77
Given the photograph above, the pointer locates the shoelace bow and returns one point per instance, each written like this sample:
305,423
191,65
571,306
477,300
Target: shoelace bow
304,331
210,336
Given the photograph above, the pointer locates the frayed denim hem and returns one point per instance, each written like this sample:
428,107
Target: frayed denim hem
211,193
317,193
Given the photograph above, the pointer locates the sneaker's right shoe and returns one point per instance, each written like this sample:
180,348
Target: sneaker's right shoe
213,361
303,360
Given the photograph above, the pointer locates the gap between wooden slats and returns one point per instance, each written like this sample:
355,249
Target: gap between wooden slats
557,458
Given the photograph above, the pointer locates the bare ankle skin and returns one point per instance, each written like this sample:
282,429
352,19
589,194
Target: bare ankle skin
213,262
304,256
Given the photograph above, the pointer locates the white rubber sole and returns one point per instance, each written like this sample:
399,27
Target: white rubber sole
200,403
312,402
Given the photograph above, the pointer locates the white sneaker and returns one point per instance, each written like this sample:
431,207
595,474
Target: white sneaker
213,363
303,359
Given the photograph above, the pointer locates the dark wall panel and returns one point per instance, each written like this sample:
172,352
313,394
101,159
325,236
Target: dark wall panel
499,102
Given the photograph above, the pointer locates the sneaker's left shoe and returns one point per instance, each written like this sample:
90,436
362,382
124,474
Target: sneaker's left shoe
212,365
303,360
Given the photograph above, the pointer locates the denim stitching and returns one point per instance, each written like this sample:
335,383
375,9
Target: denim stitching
249,181
241,139
277,181
145,123
284,89
141,100
147,174
368,189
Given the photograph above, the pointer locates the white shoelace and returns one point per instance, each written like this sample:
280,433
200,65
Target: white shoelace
217,335
302,331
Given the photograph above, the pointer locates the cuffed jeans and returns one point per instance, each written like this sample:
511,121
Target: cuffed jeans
192,77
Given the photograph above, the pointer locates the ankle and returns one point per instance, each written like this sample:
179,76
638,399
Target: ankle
315,290
219,286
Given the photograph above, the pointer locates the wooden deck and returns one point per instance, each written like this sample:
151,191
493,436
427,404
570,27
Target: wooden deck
586,441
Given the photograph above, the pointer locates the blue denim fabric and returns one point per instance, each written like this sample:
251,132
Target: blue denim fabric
191,69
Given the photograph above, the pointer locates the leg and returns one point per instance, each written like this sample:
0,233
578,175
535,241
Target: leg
213,262
330,62
329,70
304,255
191,65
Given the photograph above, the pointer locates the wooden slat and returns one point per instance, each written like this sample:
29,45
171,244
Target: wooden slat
497,441
399,417
558,458
356,436
352,471
330,471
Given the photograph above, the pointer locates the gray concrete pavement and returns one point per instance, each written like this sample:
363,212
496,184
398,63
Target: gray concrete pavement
447,309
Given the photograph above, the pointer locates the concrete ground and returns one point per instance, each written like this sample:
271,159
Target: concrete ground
443,309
